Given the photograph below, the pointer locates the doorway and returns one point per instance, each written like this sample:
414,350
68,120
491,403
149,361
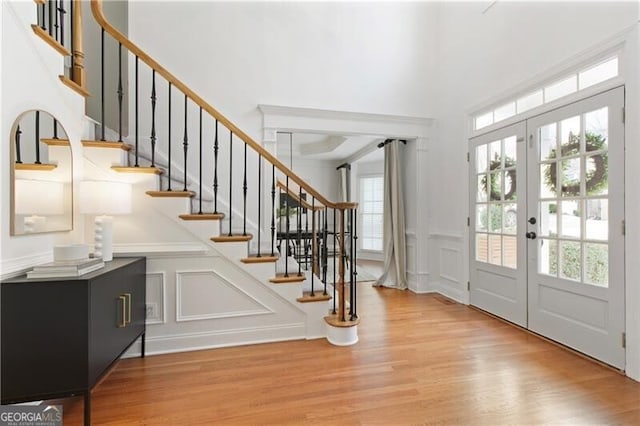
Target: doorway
547,234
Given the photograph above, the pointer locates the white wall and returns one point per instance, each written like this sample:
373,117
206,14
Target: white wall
34,84
511,44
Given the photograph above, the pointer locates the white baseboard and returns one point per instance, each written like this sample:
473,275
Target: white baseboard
419,283
460,296
157,345
10,268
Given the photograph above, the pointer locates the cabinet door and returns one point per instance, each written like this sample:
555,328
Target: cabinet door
115,308
44,339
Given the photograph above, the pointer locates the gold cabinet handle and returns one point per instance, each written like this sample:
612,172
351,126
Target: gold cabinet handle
128,318
123,323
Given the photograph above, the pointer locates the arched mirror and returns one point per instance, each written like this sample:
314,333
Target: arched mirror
41,175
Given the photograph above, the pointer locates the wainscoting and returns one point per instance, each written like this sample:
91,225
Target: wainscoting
447,265
197,301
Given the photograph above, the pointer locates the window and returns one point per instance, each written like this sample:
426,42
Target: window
371,193
568,84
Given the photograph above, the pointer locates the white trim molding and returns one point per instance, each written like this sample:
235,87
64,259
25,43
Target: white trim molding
161,317
261,308
298,119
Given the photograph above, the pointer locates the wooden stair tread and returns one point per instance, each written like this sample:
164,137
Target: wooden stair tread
202,216
231,238
55,142
171,194
292,278
132,169
317,297
74,86
36,167
261,259
334,321
50,40
106,144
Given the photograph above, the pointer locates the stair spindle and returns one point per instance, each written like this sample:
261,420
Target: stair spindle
352,277
325,251
230,179
50,4
55,129
43,13
169,141
56,25
37,138
215,170
314,252
185,143
335,283
62,13
259,201
153,118
244,194
286,230
200,167
18,154
354,300
341,295
299,234
273,209
102,92
306,242
120,91
71,43
306,251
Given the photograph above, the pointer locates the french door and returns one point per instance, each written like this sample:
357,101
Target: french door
548,240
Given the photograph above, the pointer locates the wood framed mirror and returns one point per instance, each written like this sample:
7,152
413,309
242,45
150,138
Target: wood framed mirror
41,175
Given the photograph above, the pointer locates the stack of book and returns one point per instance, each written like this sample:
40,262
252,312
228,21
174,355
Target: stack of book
67,268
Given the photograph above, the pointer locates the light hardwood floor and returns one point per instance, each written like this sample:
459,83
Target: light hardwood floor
420,359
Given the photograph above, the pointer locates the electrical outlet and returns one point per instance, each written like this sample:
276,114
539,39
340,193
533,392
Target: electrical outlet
152,310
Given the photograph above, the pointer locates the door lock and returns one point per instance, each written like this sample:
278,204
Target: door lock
531,235
532,220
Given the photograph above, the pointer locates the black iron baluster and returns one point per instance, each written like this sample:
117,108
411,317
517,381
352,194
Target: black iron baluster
230,178
244,194
354,304
215,170
200,166
325,250
153,118
43,12
185,143
137,164
313,240
18,154
335,284
259,201
55,129
169,137
50,3
343,255
62,13
306,251
38,138
273,209
55,25
120,91
102,91
286,230
306,243
352,277
299,218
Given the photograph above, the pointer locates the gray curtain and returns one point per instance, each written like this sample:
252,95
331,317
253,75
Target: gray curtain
345,182
395,261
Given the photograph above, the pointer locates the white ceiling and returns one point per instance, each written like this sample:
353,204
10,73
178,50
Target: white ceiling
337,148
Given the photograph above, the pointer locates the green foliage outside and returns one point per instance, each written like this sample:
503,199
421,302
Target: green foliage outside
597,261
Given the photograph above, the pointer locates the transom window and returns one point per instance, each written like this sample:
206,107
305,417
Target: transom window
564,86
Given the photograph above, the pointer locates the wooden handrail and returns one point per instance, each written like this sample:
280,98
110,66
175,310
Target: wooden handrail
96,8
295,194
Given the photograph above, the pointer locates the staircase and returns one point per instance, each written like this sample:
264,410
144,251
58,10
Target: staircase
209,179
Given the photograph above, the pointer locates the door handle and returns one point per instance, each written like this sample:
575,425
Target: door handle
531,235
532,220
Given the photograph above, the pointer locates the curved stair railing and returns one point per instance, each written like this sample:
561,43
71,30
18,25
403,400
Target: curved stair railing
331,222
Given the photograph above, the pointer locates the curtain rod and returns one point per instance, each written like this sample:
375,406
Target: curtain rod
387,141
344,165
